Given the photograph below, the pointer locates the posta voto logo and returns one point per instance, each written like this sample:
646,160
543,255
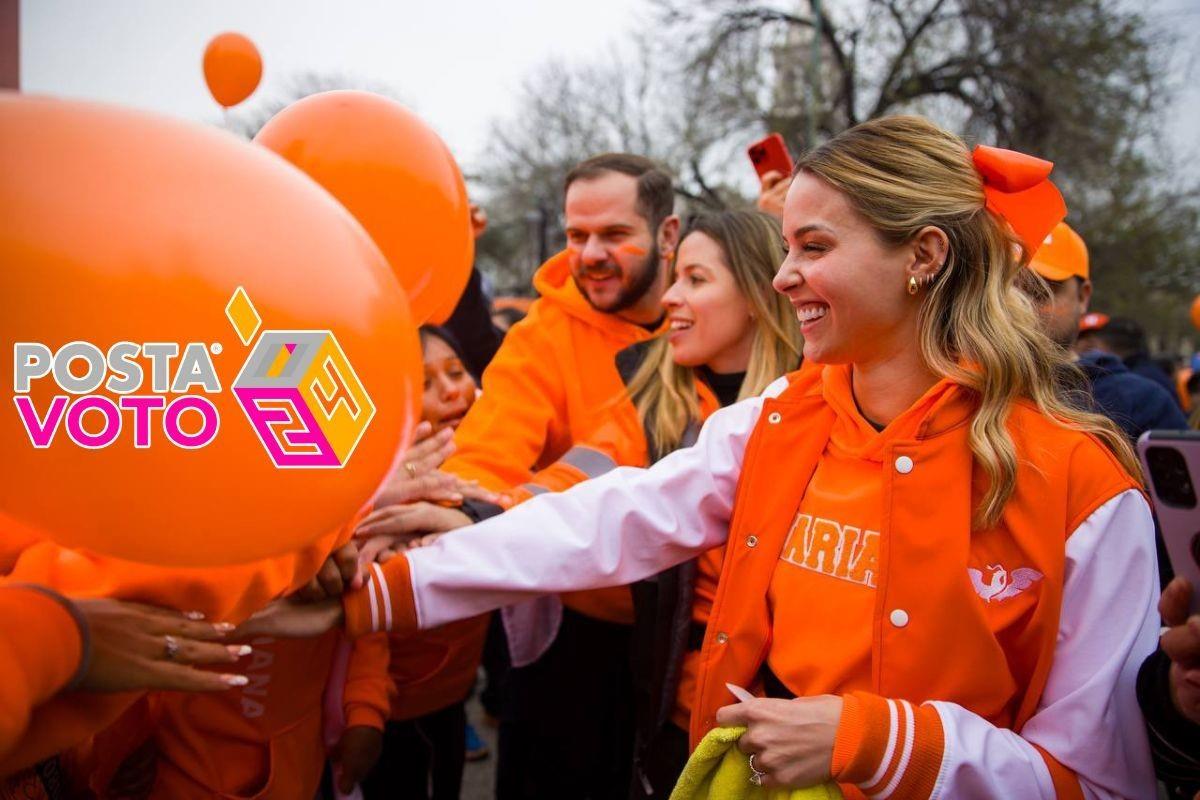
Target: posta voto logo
298,390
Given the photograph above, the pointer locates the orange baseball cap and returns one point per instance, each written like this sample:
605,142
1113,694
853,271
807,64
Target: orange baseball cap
1062,255
1092,321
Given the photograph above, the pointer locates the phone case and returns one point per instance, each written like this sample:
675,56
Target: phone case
770,154
1178,511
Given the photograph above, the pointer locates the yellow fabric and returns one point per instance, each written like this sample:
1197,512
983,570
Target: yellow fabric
717,770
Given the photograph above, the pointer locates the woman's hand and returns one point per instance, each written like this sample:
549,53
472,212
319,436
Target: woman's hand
1181,643
410,521
135,646
388,531
289,619
791,740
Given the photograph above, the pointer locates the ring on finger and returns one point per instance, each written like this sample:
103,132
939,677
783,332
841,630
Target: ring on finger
411,468
756,774
170,647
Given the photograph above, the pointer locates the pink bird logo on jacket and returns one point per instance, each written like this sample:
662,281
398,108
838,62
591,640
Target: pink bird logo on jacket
1002,584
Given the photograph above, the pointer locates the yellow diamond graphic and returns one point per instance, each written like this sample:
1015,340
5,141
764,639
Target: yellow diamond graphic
241,313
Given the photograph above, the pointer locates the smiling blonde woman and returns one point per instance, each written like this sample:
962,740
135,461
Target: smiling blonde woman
941,575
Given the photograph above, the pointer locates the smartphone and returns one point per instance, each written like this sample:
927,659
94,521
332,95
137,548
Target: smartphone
1172,462
770,155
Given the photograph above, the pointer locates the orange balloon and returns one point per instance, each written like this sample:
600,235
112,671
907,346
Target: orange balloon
232,68
1196,312
397,177
210,360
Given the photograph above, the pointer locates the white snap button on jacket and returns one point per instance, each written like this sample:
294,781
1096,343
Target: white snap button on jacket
751,541
774,418
899,617
904,465
722,637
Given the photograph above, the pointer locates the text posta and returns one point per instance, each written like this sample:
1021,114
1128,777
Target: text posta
174,401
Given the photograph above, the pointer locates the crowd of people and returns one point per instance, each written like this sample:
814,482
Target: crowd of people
853,472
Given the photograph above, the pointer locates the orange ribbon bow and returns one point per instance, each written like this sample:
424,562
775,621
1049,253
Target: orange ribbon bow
1018,189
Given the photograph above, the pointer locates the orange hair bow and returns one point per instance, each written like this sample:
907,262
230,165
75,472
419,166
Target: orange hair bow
1018,189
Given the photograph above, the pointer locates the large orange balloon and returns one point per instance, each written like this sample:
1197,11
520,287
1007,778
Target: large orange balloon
209,359
397,177
232,68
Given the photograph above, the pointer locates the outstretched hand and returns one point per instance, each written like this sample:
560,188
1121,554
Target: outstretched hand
135,646
289,619
339,573
386,531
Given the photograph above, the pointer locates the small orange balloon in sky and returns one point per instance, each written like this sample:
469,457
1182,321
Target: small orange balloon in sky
232,68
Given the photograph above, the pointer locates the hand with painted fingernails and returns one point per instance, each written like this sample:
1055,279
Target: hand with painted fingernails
132,646
791,740
1181,643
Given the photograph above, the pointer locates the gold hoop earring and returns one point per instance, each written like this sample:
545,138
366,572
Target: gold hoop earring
913,286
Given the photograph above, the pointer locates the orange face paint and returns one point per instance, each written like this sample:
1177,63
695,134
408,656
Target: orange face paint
631,250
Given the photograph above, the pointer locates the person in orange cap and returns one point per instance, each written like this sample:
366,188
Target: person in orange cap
938,576
1062,261
1132,401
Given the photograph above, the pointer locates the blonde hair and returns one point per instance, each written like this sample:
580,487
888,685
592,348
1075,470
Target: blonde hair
664,392
978,326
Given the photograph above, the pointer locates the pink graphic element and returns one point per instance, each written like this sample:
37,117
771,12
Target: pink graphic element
41,432
142,405
291,348
287,427
107,434
191,440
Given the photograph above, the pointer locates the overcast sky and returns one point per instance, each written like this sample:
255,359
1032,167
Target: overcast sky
457,62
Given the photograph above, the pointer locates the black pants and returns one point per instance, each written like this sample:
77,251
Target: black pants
422,758
567,728
664,763
496,664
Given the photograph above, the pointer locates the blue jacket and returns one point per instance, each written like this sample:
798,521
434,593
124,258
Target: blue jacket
1135,403
1142,364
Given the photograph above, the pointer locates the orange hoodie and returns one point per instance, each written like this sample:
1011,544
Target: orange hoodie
223,594
40,651
552,383
436,668
265,740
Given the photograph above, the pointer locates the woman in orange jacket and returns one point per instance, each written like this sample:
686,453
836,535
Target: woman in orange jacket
939,575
